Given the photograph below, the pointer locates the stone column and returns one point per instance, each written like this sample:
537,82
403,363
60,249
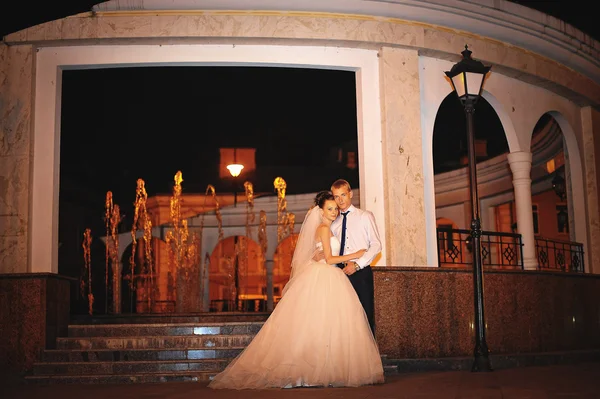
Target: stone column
402,157
520,164
590,125
16,89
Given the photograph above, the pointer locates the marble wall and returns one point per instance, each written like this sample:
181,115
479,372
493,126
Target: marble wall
16,88
34,311
428,312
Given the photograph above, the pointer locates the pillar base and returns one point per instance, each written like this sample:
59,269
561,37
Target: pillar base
37,312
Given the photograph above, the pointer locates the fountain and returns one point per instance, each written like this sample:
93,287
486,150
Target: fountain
113,246
184,253
146,269
205,266
280,185
182,286
87,260
108,208
264,244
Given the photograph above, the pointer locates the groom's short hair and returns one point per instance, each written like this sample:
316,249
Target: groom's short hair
339,183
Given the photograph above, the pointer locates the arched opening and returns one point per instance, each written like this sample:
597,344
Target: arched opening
552,197
452,186
450,134
237,277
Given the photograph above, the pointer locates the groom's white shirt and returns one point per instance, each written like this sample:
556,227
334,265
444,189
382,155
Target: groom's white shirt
361,232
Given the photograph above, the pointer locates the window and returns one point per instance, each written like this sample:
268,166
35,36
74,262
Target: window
351,160
536,225
562,218
447,238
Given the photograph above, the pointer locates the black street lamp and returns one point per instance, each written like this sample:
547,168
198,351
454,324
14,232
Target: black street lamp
467,78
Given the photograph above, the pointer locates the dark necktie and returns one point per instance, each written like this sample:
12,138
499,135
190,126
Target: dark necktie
343,241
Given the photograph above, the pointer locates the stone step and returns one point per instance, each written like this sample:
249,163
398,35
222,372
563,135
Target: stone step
148,355
154,342
181,329
171,318
128,367
133,372
146,378
390,369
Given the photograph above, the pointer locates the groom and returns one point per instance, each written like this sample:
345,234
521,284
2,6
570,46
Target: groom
356,229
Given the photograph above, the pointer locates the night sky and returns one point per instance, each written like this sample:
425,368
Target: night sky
118,125
122,124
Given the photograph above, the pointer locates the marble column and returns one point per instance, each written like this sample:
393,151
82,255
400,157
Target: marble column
16,88
590,125
402,157
520,165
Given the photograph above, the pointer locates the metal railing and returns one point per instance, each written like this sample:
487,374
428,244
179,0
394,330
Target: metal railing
498,250
505,251
566,256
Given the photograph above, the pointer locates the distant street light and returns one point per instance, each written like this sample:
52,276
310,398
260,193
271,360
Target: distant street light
467,78
235,169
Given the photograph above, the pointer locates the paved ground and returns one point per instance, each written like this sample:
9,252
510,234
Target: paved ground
560,381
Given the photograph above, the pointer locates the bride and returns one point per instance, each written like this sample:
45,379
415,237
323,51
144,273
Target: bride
318,334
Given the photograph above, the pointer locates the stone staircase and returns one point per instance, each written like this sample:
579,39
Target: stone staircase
147,350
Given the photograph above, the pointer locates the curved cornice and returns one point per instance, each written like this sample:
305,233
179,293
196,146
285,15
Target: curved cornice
497,19
519,42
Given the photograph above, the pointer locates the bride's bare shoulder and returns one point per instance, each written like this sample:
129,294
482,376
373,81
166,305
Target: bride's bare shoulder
322,228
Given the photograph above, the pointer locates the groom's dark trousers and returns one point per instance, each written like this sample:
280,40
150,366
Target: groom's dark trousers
362,281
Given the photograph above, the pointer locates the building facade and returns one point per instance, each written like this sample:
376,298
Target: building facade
399,51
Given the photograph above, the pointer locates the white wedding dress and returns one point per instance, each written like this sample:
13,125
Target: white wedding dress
318,335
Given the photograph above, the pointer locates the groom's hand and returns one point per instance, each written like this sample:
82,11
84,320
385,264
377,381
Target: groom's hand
350,268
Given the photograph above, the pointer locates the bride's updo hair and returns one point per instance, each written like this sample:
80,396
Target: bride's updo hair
323,196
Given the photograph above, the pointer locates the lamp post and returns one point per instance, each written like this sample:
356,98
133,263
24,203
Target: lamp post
467,78
235,169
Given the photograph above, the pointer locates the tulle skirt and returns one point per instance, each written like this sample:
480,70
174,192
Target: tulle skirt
318,335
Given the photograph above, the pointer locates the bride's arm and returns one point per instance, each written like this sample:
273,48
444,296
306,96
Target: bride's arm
324,234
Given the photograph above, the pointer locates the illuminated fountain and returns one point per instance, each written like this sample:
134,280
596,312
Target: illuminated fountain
280,185
184,258
175,275
264,244
108,208
142,255
205,266
113,247
87,260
